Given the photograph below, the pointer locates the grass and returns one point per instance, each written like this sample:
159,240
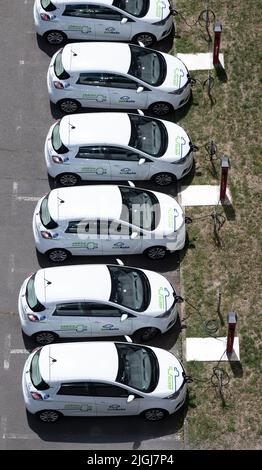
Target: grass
233,122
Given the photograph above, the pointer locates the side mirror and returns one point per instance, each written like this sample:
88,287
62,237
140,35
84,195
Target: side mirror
134,235
124,20
130,398
141,161
124,317
140,89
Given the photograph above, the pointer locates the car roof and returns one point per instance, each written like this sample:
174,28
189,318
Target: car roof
65,283
96,56
85,202
107,128
94,360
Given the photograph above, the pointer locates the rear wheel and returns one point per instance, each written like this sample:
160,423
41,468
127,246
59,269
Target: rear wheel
160,108
45,337
68,179
146,38
49,416
55,37
154,414
156,252
146,334
57,255
163,179
69,106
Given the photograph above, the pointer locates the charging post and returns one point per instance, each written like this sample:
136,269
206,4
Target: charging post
232,322
217,39
225,165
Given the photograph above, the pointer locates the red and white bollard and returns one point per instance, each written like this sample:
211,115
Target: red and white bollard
232,322
225,165
217,39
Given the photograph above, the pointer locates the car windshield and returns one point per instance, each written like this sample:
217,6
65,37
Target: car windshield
35,374
130,288
138,367
31,298
137,8
57,143
147,65
140,208
59,68
45,216
148,135
47,5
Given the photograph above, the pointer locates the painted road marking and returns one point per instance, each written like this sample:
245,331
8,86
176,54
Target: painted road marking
7,344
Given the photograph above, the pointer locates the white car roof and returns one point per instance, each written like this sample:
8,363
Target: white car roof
96,56
81,282
85,202
79,361
106,128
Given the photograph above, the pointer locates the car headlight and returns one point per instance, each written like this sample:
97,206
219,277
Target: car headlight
173,396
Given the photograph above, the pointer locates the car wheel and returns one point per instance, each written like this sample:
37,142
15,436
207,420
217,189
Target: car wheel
68,179
58,255
55,37
160,108
49,416
45,337
146,38
69,106
163,179
156,252
146,334
154,414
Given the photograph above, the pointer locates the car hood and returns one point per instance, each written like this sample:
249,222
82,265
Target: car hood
162,297
178,143
176,74
158,10
171,373
171,215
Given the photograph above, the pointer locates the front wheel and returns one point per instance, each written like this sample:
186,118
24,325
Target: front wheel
154,414
49,416
68,179
160,108
146,334
163,179
55,38
156,252
45,337
146,38
68,106
57,255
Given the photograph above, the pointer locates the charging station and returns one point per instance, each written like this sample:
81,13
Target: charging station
217,40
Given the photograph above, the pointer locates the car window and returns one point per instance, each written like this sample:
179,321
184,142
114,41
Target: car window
47,5
147,65
95,79
108,390
94,153
45,216
31,297
140,208
111,227
119,81
72,309
148,135
102,310
98,12
138,8
75,388
130,288
116,153
82,226
59,68
35,373
57,143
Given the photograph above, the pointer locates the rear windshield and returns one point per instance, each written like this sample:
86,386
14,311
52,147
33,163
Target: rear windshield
147,65
137,8
45,216
36,378
31,298
47,5
148,135
57,143
130,288
59,68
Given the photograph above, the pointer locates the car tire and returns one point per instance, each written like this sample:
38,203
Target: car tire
160,108
49,416
69,106
146,334
154,414
45,337
163,179
58,255
155,252
68,179
55,38
146,38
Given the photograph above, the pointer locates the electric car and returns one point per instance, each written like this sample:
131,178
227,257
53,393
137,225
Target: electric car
114,20
107,220
103,379
96,300
117,146
117,75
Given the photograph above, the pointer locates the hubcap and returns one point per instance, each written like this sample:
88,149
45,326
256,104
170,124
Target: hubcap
68,180
45,338
160,109
163,179
148,334
49,416
58,255
154,415
156,253
55,38
145,39
68,106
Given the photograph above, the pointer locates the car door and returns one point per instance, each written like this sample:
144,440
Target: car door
117,238
111,400
82,238
75,399
126,92
106,320
91,90
91,163
108,25
124,164
76,21
70,319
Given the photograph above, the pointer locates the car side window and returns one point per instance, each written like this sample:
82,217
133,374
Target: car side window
111,227
108,390
89,227
95,79
72,309
115,153
102,310
94,153
75,388
119,81
98,12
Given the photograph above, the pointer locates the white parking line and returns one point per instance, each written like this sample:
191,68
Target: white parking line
19,351
28,198
12,435
7,344
11,270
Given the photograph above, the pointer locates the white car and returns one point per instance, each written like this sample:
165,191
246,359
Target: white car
117,75
117,146
96,300
114,20
103,379
107,220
